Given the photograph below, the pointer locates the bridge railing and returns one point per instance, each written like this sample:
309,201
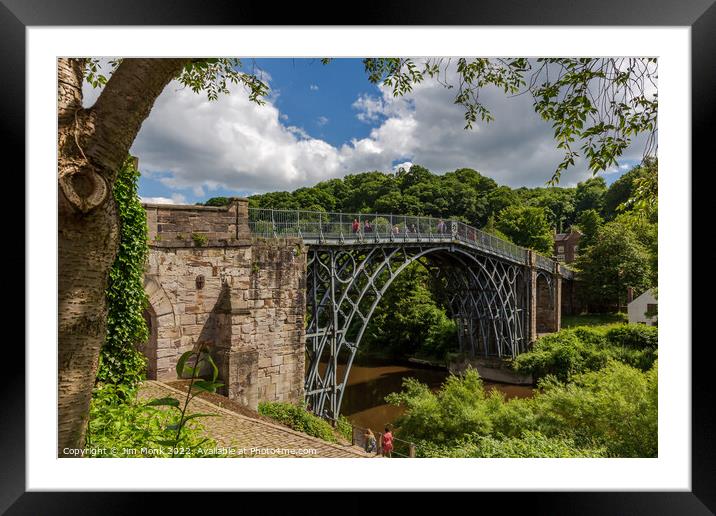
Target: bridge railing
544,263
491,243
267,223
313,224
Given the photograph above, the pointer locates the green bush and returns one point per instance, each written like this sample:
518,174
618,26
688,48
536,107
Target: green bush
460,407
119,423
531,444
561,354
609,412
345,428
636,336
298,418
199,239
578,350
616,407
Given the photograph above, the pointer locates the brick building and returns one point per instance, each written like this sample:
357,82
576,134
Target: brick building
566,245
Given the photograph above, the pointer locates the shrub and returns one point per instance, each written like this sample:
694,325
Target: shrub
344,428
199,239
459,408
636,336
578,350
561,354
609,412
615,407
298,418
531,444
119,423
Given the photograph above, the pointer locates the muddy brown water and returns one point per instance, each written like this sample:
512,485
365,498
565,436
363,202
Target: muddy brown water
368,384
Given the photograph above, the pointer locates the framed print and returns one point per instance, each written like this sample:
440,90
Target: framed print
273,279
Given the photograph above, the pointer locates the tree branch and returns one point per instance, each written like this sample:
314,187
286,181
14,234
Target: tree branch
125,102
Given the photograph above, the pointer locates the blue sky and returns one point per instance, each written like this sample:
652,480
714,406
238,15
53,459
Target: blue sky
323,121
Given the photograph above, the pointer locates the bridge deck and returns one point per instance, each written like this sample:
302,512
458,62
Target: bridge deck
343,229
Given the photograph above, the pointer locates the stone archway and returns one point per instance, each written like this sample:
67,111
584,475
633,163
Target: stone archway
165,333
149,348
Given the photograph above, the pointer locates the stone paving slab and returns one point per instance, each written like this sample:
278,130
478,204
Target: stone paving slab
255,438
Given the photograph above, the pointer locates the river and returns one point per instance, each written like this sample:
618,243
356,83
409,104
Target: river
368,384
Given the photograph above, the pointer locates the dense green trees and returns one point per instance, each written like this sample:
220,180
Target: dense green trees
463,194
575,351
626,254
617,259
409,321
527,226
605,407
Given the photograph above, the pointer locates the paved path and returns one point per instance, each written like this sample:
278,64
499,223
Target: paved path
252,437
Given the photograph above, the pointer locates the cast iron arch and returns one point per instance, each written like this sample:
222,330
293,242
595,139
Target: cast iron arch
345,284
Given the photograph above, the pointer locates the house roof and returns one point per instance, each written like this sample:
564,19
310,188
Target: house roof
648,293
558,237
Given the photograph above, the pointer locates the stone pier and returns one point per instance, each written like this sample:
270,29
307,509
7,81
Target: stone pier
210,284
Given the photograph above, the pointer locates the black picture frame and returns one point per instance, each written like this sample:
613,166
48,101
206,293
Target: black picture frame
700,15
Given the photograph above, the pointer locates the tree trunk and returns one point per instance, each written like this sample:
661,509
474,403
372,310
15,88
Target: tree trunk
92,144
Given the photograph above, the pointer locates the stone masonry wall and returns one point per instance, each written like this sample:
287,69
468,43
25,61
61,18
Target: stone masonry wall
245,299
545,307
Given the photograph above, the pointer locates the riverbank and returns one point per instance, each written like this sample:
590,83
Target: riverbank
371,379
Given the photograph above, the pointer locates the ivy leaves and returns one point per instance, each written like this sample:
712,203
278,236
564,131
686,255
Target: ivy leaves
120,360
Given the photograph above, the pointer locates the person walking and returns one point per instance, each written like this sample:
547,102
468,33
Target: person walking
356,225
386,444
441,226
370,441
367,227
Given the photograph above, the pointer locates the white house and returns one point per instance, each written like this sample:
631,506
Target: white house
645,303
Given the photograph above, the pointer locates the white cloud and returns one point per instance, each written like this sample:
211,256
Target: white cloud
175,199
234,144
405,166
313,87
322,120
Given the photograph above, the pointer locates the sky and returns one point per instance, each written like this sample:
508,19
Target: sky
324,121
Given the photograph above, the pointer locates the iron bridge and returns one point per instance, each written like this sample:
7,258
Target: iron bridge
486,283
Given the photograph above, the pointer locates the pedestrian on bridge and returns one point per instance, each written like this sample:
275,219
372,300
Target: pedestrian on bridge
356,226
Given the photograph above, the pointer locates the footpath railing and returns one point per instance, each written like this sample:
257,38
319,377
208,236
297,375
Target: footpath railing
322,226
376,227
401,448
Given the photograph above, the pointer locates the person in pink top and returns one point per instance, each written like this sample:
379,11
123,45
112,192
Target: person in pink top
387,442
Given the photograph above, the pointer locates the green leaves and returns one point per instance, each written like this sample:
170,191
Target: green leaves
609,412
600,103
298,418
169,402
122,426
205,386
526,226
181,367
120,361
214,75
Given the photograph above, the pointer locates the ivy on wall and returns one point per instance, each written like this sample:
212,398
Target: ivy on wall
120,360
